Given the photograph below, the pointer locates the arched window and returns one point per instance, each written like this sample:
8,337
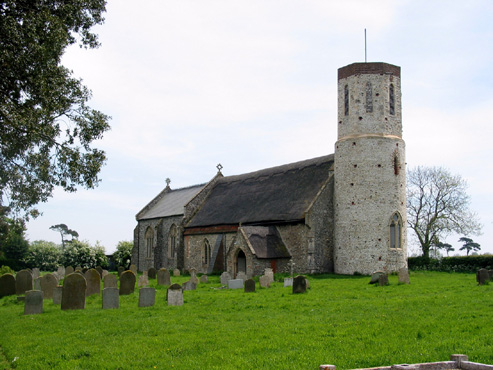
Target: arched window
149,241
346,100
391,99
395,231
172,241
206,252
369,98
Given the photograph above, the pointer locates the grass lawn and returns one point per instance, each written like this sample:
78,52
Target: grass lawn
341,320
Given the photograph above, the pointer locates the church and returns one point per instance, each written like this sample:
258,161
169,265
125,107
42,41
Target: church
342,213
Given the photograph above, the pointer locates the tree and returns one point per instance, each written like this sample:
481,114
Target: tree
123,254
469,245
447,247
13,244
44,255
437,205
64,231
81,253
46,126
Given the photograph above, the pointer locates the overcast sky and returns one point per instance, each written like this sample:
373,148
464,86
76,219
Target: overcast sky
253,84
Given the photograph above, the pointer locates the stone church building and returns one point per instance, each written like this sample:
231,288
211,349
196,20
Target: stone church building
343,212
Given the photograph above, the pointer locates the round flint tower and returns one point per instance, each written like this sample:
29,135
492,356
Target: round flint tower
370,174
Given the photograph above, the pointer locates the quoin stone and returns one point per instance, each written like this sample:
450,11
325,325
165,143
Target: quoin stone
23,282
74,292
127,283
33,303
7,285
93,279
147,297
111,298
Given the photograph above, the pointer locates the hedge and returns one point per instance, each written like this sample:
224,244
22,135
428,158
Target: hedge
450,264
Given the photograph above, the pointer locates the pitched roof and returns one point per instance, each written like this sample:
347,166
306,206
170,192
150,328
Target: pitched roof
277,194
169,203
266,241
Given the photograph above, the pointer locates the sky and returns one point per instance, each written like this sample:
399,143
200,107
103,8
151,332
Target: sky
253,84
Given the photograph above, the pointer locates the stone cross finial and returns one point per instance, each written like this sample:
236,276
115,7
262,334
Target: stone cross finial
168,181
219,167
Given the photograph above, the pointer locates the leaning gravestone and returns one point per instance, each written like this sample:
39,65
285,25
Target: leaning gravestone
204,279
111,298
225,277
7,285
110,281
93,282
33,302
151,273
299,284
176,272
163,277
23,282
57,295
235,284
376,276
143,281
36,273
383,280
403,276
127,283
121,269
147,297
74,292
189,285
174,295
133,268
249,286
482,276
288,282
48,283
69,270
241,275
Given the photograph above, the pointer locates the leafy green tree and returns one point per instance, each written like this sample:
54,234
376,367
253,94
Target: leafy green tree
14,245
46,126
469,245
447,248
437,205
44,255
65,231
123,254
81,253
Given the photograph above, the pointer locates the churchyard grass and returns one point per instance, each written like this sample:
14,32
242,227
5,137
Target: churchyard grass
341,320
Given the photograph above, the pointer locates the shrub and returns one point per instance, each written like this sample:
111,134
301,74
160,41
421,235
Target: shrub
80,253
6,270
123,254
451,264
44,255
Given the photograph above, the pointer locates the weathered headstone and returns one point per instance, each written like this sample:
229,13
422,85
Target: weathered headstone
147,297
61,272
105,273
265,281
307,283
189,285
143,281
33,303
288,282
225,277
74,292
110,281
23,282
99,269
249,286
93,282
133,268
383,280
174,295
299,284
78,268
127,282
163,277
204,279
121,269
48,283
111,298
403,276
84,270
268,272
69,270
235,284
376,276
241,275
193,276
151,273
7,285
36,273
37,284
57,295
482,276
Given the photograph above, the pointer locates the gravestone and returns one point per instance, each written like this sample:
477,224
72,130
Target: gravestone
93,282
376,276
265,281
104,274
99,269
176,272
36,273
33,302
120,270
74,292
225,277
7,285
491,274
163,277
110,281
189,285
235,284
403,276
48,283
288,282
60,272
111,298
299,284
127,283
143,281
23,282
84,270
249,286
151,273
69,270
57,295
241,275
307,284
268,272
133,268
37,284
174,295
78,268
482,276
193,276
383,280
204,279
147,297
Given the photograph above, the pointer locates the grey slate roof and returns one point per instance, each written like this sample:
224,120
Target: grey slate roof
278,194
171,203
266,242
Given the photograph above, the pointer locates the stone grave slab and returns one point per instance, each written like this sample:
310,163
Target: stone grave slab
299,284
225,277
36,273
265,281
69,270
48,282
147,297
241,275
23,282
176,272
174,295
288,282
151,273
33,302
249,286
403,276
235,284
133,268
376,276
127,282
37,284
269,273
189,285
383,280
204,279
143,281
120,270
7,285
61,272
93,279
111,298
163,277
57,295
74,292
99,269
110,281
482,276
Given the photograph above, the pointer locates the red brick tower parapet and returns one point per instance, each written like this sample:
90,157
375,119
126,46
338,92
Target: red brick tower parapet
370,174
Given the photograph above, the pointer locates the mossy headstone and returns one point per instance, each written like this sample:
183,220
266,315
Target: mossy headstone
74,292
127,282
7,285
23,282
93,279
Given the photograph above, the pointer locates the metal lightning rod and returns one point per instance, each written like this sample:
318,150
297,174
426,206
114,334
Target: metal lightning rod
365,45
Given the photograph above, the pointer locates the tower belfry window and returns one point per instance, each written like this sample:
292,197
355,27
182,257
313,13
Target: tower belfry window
391,99
369,98
346,100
